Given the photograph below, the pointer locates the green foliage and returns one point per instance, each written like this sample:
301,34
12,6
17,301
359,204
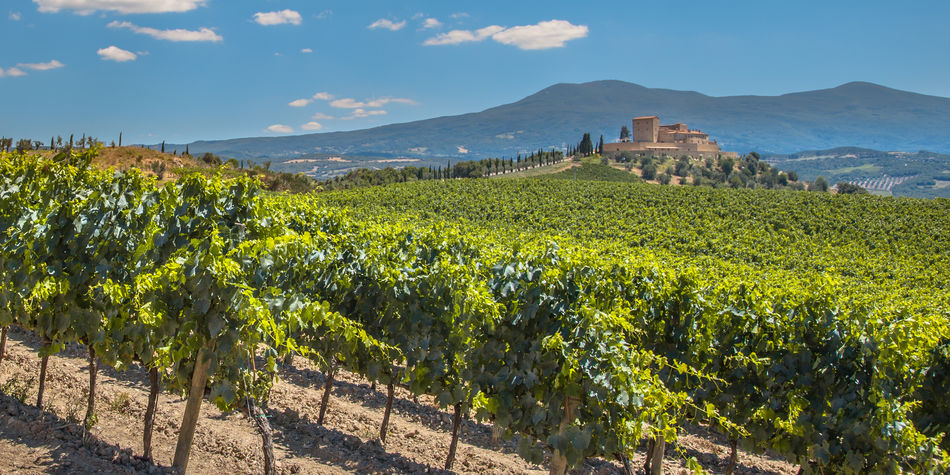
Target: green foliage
813,325
845,188
820,184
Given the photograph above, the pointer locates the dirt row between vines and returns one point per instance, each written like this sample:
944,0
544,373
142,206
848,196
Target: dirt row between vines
52,441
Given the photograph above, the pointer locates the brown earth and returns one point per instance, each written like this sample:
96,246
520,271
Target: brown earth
53,441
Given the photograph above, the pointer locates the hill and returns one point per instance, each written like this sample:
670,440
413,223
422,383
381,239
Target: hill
858,113
166,167
917,174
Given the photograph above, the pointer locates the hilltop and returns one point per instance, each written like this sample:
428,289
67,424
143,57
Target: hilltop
166,167
857,114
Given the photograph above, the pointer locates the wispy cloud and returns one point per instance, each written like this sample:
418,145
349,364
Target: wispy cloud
387,24
459,15
349,103
12,72
455,37
324,14
306,50
321,116
281,129
204,34
544,35
19,69
42,66
362,113
311,126
86,7
15,16
431,23
320,96
278,18
114,53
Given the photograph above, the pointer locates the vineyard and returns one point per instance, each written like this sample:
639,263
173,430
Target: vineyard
578,317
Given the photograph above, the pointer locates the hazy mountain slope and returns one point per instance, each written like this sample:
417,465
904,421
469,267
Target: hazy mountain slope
854,114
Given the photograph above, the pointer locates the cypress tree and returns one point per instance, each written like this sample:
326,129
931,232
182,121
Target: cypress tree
120,139
163,146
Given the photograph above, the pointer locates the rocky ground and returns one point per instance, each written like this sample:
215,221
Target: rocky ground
52,440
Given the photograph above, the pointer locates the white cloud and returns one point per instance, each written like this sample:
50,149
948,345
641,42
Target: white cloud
324,14
15,16
15,72
281,129
431,23
300,103
323,96
85,7
42,66
349,103
321,116
311,126
462,149
204,34
387,24
455,37
114,53
456,16
362,113
306,50
544,35
278,18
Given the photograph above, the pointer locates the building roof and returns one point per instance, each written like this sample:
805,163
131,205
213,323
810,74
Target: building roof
646,117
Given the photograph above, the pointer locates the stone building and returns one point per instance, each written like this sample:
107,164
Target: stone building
649,137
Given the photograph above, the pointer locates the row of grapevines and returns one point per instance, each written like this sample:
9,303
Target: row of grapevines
581,348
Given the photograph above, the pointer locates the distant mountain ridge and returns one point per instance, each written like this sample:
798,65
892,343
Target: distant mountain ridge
856,114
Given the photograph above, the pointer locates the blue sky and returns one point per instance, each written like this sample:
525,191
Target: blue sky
184,70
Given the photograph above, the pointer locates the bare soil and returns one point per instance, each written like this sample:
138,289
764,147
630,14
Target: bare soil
52,440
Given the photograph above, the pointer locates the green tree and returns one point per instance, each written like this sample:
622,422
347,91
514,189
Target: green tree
845,188
649,171
624,134
586,147
820,184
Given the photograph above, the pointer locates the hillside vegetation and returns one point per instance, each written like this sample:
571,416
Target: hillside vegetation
857,114
580,318
168,167
916,174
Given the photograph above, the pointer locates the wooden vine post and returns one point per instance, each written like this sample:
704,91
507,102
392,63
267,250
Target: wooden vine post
43,364
654,459
155,387
199,379
3,342
327,388
389,407
559,460
90,419
456,425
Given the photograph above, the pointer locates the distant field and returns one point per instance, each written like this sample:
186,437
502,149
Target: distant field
915,174
865,168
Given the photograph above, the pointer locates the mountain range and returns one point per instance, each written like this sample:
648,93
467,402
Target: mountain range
857,114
